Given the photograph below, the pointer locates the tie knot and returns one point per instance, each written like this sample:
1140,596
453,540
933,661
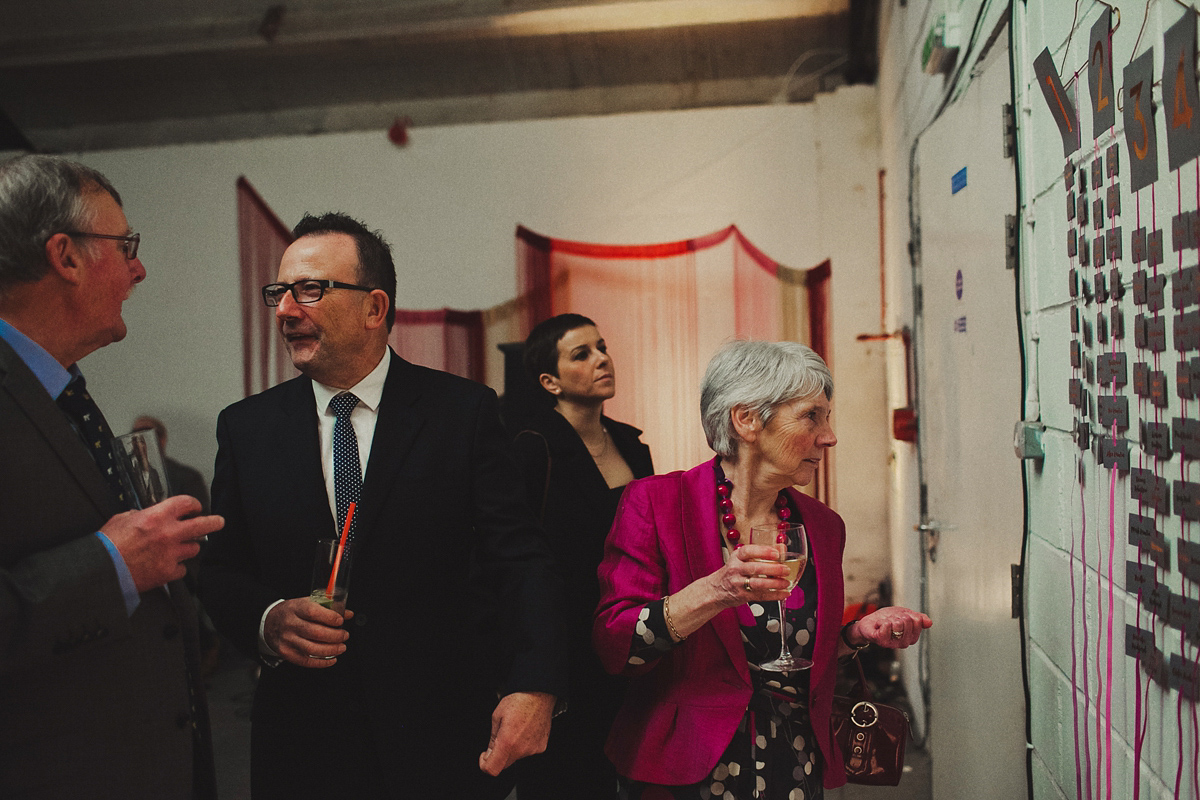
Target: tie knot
77,385
342,404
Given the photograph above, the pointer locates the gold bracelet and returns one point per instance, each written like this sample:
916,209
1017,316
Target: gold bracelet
667,617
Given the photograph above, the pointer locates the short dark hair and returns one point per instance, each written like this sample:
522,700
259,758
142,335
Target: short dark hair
375,267
541,346
40,196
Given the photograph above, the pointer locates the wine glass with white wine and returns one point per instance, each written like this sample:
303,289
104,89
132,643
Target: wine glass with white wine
791,541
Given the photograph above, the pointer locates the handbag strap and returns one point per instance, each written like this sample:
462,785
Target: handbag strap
862,690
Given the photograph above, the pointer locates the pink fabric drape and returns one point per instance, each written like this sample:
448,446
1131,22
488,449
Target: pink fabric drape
262,238
663,309
444,339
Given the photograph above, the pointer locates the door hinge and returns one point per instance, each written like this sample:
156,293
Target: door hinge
1010,241
1017,590
1009,130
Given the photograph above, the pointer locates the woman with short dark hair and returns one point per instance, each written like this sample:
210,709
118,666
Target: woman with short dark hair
577,462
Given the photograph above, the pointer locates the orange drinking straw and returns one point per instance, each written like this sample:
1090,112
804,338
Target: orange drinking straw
341,548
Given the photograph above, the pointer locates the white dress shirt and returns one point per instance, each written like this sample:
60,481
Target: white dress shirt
369,392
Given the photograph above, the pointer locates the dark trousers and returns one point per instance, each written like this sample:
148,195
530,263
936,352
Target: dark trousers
574,765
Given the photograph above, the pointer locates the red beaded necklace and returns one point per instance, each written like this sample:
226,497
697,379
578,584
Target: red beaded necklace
727,518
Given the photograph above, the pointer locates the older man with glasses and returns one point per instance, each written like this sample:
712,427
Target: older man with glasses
100,693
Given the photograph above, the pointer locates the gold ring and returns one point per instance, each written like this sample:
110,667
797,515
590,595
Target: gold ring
897,634
747,584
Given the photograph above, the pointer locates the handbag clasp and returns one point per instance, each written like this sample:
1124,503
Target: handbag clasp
864,714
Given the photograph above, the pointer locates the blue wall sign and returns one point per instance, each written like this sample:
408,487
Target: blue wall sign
959,181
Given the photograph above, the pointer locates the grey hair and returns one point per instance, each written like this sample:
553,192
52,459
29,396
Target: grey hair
759,376
39,197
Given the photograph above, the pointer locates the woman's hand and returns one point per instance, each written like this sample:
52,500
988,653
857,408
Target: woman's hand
892,627
752,574
742,580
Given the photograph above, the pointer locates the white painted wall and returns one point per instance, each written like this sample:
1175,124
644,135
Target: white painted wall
798,180
1063,512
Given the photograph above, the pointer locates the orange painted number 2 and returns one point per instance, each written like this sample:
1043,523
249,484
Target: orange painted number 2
1101,97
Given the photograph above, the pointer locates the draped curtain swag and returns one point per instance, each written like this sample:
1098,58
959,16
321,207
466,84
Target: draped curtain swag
664,309
262,238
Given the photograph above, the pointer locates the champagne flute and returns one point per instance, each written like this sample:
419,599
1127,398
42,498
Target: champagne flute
783,536
141,467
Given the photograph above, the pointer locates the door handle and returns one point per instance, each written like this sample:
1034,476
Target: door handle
932,530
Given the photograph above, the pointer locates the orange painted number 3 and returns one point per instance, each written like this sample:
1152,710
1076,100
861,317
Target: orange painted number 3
1139,150
1182,114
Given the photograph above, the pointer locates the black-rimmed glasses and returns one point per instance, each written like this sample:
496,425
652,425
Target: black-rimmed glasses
309,291
129,244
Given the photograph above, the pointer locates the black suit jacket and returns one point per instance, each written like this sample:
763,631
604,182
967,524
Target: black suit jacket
93,702
441,504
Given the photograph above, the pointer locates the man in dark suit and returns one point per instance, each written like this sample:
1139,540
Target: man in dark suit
99,689
395,703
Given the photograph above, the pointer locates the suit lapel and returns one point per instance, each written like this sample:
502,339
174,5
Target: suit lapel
396,429
44,414
824,558
295,439
577,461
704,554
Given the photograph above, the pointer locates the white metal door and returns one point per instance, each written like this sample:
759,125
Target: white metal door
970,387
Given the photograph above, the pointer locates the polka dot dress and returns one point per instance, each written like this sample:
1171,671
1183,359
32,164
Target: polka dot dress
772,755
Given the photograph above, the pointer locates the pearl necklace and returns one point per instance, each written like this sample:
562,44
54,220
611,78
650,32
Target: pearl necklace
727,518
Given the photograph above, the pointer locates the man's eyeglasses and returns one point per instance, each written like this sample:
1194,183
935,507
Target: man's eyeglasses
309,291
129,244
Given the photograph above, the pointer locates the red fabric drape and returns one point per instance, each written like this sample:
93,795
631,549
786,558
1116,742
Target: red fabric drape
664,309
817,281
445,339
262,238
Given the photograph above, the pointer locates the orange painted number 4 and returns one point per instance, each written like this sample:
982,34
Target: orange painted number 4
1182,114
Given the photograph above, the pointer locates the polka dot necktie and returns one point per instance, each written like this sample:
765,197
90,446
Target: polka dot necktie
89,423
347,468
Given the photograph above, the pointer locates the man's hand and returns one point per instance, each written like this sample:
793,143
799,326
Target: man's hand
306,634
520,727
156,541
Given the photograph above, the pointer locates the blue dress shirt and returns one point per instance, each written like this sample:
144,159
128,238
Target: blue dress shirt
54,378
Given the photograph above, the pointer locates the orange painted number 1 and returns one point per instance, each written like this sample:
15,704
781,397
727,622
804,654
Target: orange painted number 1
1061,109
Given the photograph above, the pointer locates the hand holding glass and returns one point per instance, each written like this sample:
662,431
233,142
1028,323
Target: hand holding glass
331,579
782,537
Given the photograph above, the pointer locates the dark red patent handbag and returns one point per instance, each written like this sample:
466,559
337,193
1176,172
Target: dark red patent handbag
870,735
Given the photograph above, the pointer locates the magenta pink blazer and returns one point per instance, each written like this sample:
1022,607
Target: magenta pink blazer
681,710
